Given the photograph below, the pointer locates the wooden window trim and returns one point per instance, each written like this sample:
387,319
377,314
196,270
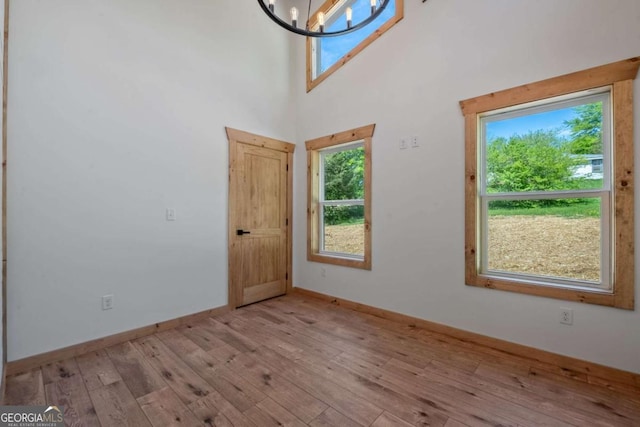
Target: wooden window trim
326,6
619,75
313,146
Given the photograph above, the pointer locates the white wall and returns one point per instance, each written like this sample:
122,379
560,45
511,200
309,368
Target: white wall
409,82
117,111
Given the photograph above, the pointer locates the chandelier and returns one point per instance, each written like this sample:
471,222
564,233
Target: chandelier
320,25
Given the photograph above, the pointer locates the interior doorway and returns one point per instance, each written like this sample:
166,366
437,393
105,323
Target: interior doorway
260,210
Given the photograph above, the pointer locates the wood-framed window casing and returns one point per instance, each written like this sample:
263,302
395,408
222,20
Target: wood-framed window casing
314,238
619,76
327,8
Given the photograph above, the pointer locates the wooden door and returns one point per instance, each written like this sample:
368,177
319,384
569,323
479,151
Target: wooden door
259,217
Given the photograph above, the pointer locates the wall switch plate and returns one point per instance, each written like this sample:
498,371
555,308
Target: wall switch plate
566,316
107,302
171,214
404,144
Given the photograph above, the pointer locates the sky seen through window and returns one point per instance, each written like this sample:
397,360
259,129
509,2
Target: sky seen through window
334,48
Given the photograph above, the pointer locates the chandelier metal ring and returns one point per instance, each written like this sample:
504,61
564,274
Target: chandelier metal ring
307,32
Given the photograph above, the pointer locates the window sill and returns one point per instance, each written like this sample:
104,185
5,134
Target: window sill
338,260
584,295
549,282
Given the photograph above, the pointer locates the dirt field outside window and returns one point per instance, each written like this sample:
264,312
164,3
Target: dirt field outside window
541,245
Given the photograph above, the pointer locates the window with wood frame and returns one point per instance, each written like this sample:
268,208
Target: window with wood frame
339,198
328,54
549,187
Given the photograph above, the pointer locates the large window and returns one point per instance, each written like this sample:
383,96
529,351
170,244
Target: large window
326,55
549,192
339,198
538,194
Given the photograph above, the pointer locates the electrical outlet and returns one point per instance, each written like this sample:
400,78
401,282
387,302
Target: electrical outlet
414,142
566,316
404,144
107,302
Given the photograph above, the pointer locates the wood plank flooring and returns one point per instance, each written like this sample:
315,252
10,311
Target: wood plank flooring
296,361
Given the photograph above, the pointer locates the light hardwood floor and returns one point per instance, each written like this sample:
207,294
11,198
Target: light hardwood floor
297,361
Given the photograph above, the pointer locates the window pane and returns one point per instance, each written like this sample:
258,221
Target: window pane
557,238
559,149
330,49
344,229
344,175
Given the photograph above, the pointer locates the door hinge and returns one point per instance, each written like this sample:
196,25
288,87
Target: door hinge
286,276
287,166
286,221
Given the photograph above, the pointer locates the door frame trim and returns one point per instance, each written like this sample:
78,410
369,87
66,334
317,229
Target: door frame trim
236,136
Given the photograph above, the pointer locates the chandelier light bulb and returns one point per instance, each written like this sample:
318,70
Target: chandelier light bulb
316,25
